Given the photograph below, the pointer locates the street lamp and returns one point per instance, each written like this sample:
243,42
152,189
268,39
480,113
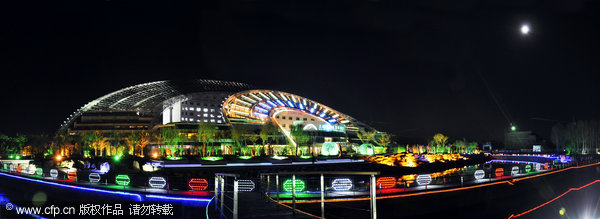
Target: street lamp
513,128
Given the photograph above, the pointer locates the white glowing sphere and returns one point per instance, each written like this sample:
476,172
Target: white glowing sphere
525,29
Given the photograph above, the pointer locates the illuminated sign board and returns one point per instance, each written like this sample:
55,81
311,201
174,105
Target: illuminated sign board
424,179
94,177
332,128
342,184
479,174
514,170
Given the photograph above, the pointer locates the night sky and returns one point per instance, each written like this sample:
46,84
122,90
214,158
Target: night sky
412,68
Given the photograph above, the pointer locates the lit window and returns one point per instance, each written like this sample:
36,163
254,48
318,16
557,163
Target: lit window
219,116
205,109
212,120
205,115
198,109
212,115
206,120
212,110
219,121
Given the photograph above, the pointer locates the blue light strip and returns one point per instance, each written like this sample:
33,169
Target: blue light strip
137,196
301,106
265,105
280,103
271,103
512,161
322,115
291,104
262,110
312,110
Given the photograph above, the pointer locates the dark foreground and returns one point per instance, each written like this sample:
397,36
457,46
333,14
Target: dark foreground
496,201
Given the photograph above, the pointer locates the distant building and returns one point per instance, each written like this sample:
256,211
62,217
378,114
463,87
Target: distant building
519,140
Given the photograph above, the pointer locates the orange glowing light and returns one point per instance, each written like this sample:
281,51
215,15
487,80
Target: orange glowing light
499,172
155,155
58,157
198,184
386,182
72,176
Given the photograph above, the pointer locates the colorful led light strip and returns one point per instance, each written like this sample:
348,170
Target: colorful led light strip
342,184
424,179
443,190
122,180
300,185
554,199
137,196
157,182
198,184
386,182
246,185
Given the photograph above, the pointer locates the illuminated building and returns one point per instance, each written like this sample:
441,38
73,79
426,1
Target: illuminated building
185,104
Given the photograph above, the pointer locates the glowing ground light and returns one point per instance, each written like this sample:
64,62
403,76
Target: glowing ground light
94,177
424,179
157,182
277,157
245,157
499,172
528,168
479,174
198,184
72,175
54,173
212,158
31,169
386,182
342,184
39,171
288,184
246,185
122,180
514,170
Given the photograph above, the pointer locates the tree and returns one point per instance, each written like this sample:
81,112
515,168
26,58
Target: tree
266,134
206,134
171,137
137,141
300,136
238,134
383,139
440,142
461,146
365,136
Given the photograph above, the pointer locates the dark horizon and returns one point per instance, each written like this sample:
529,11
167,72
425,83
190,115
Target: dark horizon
412,69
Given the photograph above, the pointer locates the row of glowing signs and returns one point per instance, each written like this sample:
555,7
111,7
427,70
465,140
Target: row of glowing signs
195,184
390,182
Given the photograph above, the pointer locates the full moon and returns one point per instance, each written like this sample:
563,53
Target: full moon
525,29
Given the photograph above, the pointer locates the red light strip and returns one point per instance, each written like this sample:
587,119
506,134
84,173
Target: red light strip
554,199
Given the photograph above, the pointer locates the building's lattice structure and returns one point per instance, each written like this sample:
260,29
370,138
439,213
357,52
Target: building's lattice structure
150,98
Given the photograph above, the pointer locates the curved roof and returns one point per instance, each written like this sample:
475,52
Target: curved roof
260,105
151,96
